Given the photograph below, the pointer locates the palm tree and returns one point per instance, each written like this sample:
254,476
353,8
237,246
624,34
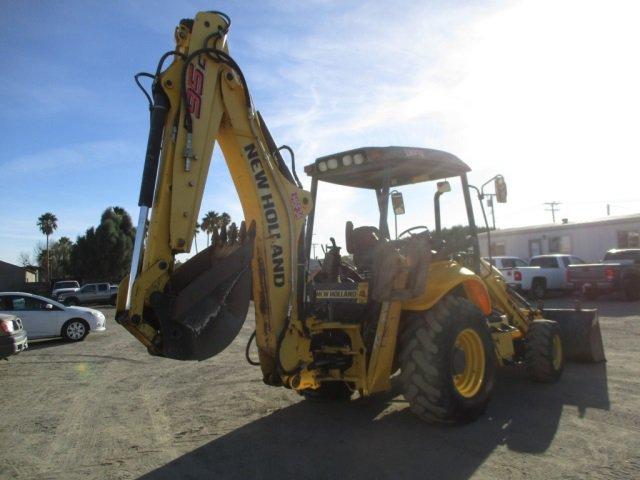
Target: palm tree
48,223
195,235
224,219
63,262
232,233
209,223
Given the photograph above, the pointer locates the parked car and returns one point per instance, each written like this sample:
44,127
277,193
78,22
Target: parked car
619,271
42,317
90,293
506,265
544,273
64,286
13,338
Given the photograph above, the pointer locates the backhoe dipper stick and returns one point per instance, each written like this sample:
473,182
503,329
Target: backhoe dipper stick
147,186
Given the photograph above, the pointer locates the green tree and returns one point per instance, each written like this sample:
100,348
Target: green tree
457,237
209,223
48,223
223,220
232,233
195,235
59,257
104,252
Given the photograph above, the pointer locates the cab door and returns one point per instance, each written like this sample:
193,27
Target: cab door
104,293
87,294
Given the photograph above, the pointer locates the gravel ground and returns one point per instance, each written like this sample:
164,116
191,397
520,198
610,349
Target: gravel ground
104,409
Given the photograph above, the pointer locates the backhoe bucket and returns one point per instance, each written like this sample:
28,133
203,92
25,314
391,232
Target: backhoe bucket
206,300
581,337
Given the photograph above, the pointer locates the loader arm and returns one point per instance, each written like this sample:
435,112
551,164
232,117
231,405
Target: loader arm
193,311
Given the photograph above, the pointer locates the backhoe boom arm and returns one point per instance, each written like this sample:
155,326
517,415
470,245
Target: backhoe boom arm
195,310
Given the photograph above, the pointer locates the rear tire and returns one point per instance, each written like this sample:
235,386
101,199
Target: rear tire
447,362
544,353
75,330
328,392
114,300
538,288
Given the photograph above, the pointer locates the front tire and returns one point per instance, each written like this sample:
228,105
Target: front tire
544,353
447,362
75,330
71,302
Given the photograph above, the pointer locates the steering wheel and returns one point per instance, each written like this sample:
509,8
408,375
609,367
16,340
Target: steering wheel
409,230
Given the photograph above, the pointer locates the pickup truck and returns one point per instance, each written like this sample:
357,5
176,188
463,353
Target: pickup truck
544,273
618,272
64,286
506,265
90,293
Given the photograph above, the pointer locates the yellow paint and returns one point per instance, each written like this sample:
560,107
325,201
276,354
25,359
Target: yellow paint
470,380
443,277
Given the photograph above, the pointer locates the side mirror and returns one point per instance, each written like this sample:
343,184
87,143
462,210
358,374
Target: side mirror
444,187
48,306
500,189
397,203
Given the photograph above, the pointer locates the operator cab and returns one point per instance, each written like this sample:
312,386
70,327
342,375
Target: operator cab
382,170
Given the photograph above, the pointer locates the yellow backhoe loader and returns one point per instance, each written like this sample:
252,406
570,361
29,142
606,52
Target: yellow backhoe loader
441,317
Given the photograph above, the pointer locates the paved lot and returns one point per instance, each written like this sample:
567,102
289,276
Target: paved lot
105,409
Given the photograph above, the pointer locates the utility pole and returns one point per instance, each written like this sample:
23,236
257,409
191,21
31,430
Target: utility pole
608,209
553,208
490,203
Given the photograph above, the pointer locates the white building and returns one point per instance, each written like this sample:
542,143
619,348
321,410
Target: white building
586,240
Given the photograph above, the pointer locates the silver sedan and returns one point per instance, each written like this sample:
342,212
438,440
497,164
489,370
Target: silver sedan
43,317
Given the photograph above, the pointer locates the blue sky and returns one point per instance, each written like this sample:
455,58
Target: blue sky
543,92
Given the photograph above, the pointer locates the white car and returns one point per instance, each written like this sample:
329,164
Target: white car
43,317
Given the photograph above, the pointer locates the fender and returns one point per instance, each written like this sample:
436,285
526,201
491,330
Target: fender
442,278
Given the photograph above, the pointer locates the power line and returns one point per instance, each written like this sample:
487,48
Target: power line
553,208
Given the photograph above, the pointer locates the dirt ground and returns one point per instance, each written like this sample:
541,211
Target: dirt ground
105,409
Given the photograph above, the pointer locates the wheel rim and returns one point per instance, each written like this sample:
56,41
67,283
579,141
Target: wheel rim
557,352
468,378
75,330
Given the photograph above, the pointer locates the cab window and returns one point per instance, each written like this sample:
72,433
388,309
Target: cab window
102,287
544,262
88,289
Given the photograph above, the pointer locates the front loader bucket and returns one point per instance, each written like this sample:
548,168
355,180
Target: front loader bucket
206,300
581,337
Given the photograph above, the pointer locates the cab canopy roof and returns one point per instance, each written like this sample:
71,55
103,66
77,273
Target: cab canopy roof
375,167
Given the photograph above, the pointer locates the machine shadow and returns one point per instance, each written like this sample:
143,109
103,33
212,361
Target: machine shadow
360,440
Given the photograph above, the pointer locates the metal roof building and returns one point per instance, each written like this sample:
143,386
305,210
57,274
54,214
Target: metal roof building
587,240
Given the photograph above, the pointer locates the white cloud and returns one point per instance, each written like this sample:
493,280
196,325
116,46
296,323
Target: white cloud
88,155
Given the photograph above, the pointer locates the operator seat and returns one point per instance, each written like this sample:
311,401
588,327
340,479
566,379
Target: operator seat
361,242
